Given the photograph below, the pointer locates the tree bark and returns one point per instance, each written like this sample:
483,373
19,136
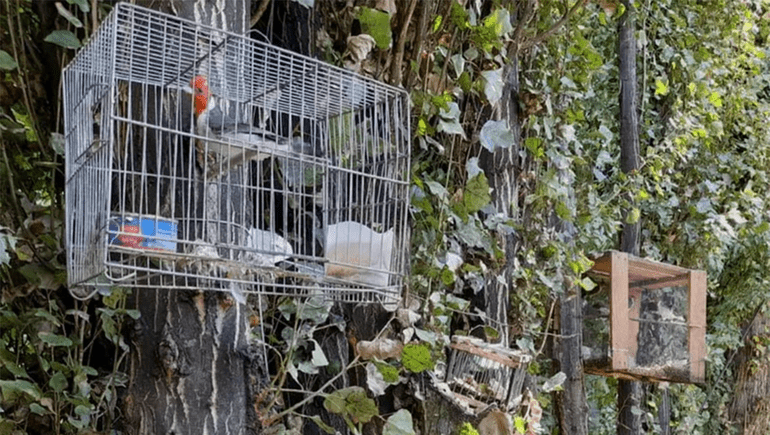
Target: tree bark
190,360
629,392
500,168
572,402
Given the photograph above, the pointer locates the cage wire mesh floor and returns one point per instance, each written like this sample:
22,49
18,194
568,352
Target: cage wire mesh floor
201,159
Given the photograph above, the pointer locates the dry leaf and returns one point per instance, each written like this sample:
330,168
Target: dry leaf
359,47
382,349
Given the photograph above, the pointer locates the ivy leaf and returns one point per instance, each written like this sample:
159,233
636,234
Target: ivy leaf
660,87
500,21
417,358
7,245
520,423
36,408
715,99
306,3
458,63
83,4
352,402
554,382
316,310
450,120
376,24
13,389
7,62
375,380
63,38
68,15
472,167
399,423
58,382
476,193
493,85
496,135
57,143
54,339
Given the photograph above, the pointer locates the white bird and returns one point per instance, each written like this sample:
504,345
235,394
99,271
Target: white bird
355,252
265,248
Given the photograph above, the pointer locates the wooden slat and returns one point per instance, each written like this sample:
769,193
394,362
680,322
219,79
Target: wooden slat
619,318
657,283
696,341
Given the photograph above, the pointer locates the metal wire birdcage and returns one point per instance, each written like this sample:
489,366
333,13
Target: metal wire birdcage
292,180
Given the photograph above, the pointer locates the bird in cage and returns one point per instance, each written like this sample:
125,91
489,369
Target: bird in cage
236,142
357,253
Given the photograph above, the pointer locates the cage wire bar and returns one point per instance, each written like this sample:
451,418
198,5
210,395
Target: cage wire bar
307,196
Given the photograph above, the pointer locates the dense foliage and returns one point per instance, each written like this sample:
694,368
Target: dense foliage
701,194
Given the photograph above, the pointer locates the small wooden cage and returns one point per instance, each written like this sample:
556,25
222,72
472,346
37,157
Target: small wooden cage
646,320
480,374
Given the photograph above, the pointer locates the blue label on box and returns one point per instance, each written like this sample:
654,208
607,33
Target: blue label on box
143,233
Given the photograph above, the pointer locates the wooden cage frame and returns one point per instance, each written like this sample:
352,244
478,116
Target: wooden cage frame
628,276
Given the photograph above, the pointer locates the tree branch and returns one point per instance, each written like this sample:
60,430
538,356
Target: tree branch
258,14
398,56
548,33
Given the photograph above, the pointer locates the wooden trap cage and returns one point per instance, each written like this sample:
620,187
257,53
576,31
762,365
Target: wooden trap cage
646,320
480,374
202,159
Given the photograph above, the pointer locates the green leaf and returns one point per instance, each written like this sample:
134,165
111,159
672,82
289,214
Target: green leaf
633,216
376,24
715,99
351,402
437,23
57,143
493,85
520,424
58,382
496,135
35,408
399,423
447,277
63,38
476,193
468,429
7,245
660,87
26,121
500,21
417,358
83,4
360,407
388,372
68,15
13,389
335,402
315,309
7,62
54,339
534,145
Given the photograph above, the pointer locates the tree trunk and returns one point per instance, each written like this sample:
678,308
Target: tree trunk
190,354
750,407
501,167
572,403
629,392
